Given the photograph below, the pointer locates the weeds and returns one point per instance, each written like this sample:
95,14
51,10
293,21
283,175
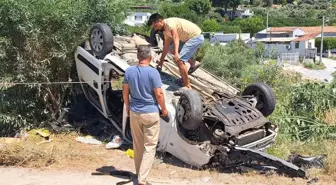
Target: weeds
314,66
33,152
284,147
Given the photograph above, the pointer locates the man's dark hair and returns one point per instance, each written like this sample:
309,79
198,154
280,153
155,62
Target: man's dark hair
153,18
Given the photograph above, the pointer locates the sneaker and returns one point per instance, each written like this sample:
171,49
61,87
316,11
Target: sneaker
115,143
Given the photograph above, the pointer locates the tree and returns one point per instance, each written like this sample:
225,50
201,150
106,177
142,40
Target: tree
199,6
221,3
234,4
39,39
210,25
216,16
250,25
268,2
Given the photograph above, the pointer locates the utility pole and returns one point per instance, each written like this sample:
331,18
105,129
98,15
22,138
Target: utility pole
321,47
267,22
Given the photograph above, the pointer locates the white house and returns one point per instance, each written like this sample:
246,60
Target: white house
239,13
137,18
299,40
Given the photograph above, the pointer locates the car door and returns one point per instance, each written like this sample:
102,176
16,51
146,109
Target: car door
91,73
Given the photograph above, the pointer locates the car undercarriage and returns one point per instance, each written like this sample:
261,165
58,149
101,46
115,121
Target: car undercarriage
211,125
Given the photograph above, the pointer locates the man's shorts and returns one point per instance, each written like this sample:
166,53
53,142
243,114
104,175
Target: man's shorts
188,49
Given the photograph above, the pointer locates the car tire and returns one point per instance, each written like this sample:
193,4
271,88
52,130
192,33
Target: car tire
101,40
190,109
266,99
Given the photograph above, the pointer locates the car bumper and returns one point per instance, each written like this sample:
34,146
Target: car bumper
264,143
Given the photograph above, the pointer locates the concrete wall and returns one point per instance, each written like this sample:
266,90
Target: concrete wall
279,48
282,47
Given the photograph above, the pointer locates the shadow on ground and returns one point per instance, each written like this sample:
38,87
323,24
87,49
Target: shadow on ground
112,171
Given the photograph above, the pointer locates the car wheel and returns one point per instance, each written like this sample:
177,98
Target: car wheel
101,40
190,110
264,96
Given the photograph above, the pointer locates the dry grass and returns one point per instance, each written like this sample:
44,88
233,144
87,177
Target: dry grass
330,117
62,151
284,148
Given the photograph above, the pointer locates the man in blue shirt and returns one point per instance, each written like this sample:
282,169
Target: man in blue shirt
142,84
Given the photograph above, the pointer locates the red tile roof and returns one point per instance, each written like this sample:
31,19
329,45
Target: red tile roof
310,32
306,37
282,29
313,29
317,29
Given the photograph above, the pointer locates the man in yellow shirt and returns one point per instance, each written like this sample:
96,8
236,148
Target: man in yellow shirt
187,39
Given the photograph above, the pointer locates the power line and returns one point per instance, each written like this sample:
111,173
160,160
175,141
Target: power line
46,83
58,83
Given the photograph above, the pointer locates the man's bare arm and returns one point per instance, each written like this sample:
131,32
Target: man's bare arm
176,40
165,48
125,91
160,99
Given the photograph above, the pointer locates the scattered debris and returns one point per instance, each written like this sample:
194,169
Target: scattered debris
206,179
115,143
130,153
171,173
307,162
89,140
313,180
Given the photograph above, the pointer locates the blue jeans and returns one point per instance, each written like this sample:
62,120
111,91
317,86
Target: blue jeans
189,48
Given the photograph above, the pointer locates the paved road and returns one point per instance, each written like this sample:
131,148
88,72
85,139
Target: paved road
320,75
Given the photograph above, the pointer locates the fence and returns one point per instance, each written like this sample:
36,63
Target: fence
291,58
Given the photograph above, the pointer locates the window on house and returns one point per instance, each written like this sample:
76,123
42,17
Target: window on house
309,45
297,45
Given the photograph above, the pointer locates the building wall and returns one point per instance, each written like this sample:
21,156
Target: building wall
279,48
282,48
224,38
137,18
312,43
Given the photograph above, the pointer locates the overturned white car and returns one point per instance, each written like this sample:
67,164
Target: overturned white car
210,125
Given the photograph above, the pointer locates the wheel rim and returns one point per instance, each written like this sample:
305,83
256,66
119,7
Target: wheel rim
183,111
97,40
259,97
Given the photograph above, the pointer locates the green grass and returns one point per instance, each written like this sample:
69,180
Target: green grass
332,57
283,147
314,66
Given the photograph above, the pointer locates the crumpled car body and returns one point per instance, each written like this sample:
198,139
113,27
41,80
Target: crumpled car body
226,119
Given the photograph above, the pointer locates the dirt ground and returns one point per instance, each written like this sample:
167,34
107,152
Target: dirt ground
66,161
24,176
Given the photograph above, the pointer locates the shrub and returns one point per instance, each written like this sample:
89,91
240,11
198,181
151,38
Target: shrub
215,15
228,61
303,110
37,43
182,11
210,25
230,29
250,25
199,6
328,43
